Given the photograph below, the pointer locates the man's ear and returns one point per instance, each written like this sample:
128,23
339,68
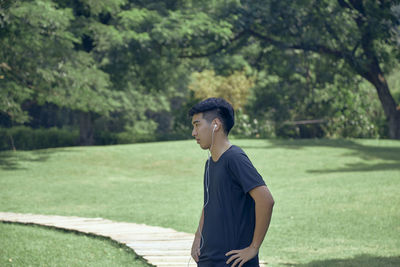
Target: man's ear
216,124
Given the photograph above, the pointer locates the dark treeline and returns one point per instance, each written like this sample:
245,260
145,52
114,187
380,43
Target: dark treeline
82,72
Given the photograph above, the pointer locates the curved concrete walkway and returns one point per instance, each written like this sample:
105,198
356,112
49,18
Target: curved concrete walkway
158,246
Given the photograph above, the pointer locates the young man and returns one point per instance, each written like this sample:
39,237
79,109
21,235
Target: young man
237,204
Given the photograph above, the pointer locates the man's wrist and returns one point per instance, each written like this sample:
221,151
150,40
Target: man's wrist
252,245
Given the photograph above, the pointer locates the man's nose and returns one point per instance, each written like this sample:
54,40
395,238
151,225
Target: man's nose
194,133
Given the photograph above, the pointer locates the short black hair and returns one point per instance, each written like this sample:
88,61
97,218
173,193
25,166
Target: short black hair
216,108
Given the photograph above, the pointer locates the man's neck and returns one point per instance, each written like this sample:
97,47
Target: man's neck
219,147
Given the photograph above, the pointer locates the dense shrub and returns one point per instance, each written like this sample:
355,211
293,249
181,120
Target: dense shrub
25,138
246,127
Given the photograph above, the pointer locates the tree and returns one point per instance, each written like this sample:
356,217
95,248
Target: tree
361,33
39,62
364,34
98,58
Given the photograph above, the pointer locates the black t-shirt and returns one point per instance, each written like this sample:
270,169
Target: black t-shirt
229,212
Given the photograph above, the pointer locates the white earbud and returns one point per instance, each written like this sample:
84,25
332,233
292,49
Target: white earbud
215,126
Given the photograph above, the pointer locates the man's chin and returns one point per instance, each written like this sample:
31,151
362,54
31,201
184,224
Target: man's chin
204,147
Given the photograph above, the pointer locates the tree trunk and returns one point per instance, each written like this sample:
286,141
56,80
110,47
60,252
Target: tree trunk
394,126
85,129
12,142
373,72
389,106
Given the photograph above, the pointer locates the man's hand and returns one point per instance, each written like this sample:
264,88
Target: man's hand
196,248
241,256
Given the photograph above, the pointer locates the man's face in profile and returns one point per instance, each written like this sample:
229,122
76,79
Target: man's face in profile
201,131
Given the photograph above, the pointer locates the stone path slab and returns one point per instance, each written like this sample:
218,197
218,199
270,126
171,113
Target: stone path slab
158,246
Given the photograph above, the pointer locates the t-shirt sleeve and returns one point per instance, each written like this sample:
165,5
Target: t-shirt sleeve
243,171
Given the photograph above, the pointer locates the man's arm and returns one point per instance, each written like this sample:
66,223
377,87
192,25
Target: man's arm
197,239
263,210
201,222
264,204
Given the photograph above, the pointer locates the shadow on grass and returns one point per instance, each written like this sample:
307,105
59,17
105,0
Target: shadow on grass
364,260
366,152
11,161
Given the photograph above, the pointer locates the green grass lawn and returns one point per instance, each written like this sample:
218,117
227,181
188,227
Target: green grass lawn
38,246
337,201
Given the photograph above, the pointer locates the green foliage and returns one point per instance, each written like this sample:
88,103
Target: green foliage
234,88
105,6
394,82
303,87
192,29
131,63
88,56
43,65
247,127
339,38
353,113
141,131
26,138
11,95
28,31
